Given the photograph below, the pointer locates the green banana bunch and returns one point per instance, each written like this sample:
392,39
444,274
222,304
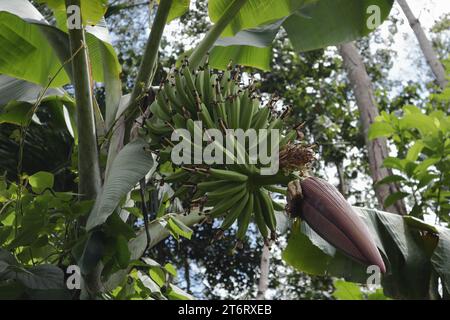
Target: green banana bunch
237,192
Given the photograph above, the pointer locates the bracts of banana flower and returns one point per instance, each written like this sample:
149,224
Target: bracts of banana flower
329,214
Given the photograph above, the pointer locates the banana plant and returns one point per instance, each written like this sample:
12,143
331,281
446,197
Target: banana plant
108,249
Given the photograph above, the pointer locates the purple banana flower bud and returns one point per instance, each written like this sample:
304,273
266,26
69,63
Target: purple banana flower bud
327,212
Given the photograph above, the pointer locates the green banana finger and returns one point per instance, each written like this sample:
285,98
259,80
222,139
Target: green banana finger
278,206
206,117
259,218
245,217
226,190
179,121
276,189
235,112
267,210
225,204
235,212
163,102
261,119
200,85
189,81
173,98
207,86
157,127
246,111
158,111
188,104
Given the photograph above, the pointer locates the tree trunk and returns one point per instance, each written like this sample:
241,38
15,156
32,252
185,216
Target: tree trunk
425,44
343,183
263,284
187,271
377,148
88,161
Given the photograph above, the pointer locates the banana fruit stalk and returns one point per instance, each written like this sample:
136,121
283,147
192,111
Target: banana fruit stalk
327,212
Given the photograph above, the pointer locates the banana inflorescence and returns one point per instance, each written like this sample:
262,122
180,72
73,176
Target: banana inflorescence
327,212
236,191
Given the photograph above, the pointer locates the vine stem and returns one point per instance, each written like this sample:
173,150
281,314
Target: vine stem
214,33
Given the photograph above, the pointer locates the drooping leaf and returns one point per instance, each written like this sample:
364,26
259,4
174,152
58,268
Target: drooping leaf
424,123
130,165
413,262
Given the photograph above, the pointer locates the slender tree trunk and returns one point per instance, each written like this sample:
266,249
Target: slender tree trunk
187,272
263,284
365,99
88,161
343,183
425,44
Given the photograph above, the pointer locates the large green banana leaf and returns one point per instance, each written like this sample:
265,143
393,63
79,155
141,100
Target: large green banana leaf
413,250
26,52
254,13
131,164
314,25
12,89
33,50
